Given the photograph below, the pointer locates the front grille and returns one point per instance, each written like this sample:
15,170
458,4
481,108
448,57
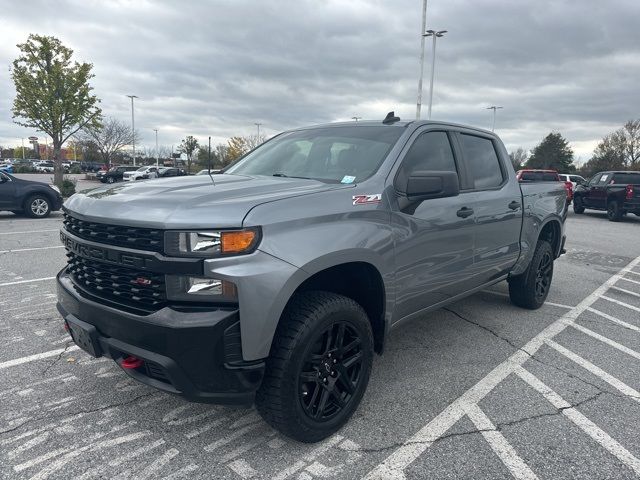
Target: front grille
122,285
117,235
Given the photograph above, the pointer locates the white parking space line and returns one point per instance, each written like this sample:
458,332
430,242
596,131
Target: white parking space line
325,446
231,437
613,300
628,292
614,319
502,294
634,272
26,281
29,233
30,249
606,340
393,466
37,356
630,280
560,305
586,425
597,371
499,444
158,463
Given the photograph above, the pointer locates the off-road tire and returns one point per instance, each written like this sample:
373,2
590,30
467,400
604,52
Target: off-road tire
614,212
37,206
523,289
280,399
578,207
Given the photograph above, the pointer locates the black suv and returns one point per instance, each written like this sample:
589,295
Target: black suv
33,199
114,174
616,192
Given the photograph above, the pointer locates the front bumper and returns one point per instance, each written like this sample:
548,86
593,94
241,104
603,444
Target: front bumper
192,352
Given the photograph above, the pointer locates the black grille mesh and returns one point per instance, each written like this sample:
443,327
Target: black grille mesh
126,286
140,238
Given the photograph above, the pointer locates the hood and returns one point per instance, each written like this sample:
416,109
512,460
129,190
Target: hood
201,201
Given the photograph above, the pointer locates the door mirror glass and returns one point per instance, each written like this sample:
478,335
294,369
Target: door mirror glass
423,185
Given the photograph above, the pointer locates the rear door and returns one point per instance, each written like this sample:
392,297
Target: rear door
433,239
496,199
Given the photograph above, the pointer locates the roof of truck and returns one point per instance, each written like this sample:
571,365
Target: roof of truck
399,123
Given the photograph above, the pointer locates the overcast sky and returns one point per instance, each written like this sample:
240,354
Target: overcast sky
215,68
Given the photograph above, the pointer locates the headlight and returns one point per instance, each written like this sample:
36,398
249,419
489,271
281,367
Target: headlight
212,243
53,187
200,289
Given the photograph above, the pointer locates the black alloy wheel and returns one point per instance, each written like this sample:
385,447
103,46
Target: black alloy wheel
543,275
614,212
331,372
578,206
110,180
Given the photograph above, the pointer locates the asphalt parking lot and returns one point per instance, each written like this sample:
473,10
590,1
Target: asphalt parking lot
481,389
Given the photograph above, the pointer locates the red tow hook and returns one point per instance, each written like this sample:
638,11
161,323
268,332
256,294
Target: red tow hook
131,362
66,327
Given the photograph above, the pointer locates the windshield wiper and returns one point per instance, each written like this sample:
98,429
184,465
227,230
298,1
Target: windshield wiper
278,174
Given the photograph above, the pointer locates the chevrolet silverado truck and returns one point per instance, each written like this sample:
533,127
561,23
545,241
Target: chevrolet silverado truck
276,280
616,192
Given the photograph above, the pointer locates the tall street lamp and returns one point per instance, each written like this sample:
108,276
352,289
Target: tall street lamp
435,35
424,26
356,118
157,155
494,108
258,125
133,129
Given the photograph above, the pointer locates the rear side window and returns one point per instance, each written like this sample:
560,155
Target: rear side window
627,178
482,161
549,177
431,152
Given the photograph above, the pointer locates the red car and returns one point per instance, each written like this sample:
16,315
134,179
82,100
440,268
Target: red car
540,175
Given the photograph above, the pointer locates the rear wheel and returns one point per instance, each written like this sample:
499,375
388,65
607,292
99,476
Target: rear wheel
530,289
110,180
319,366
614,212
37,206
578,206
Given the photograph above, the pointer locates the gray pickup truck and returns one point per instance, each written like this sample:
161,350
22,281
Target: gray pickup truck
277,280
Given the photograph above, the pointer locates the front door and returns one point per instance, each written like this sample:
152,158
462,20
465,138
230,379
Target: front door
7,193
433,238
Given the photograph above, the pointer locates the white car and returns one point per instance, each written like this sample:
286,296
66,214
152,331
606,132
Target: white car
574,179
141,174
44,167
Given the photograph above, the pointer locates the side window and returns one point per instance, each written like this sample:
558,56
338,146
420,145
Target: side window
431,151
482,161
604,179
595,179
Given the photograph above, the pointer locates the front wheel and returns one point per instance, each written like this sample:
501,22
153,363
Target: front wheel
318,368
530,289
578,206
110,180
614,212
37,206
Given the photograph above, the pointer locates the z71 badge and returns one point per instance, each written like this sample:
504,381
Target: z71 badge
367,199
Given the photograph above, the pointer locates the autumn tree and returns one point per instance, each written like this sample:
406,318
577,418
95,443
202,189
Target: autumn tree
553,153
236,147
188,146
111,137
53,94
518,158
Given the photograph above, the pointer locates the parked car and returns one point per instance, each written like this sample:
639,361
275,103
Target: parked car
114,174
33,199
206,171
616,192
91,166
574,179
542,175
278,281
142,173
171,172
6,168
44,167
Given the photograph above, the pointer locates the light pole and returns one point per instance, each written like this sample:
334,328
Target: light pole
356,118
23,149
258,125
133,129
494,108
435,35
157,157
424,26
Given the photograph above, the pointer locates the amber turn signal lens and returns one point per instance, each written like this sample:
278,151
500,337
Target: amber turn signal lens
236,242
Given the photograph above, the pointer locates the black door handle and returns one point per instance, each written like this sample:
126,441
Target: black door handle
514,205
464,212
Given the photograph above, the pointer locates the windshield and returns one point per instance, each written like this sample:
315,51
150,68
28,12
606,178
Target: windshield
330,154
142,169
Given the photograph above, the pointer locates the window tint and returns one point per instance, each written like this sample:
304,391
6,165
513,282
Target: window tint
576,178
595,179
549,177
604,178
482,161
627,178
431,151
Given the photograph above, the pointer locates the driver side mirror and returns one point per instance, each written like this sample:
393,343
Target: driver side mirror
424,185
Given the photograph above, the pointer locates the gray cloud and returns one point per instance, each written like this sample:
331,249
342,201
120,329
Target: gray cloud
215,68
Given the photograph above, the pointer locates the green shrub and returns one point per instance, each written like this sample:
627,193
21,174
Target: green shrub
75,169
23,169
68,187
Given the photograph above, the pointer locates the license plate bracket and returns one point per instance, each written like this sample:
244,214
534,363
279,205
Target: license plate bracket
84,335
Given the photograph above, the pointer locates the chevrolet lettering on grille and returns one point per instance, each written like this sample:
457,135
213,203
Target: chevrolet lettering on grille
104,254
